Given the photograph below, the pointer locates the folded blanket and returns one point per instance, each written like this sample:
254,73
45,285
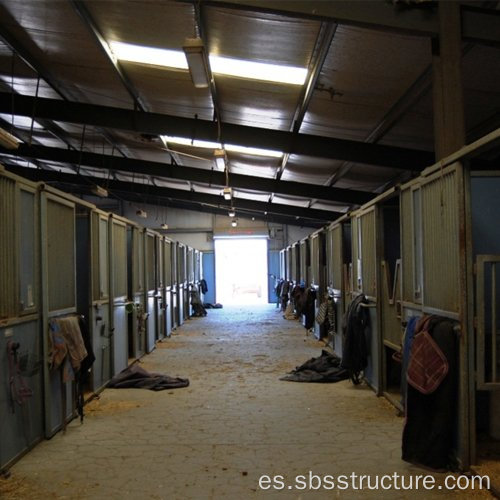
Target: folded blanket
325,368
135,377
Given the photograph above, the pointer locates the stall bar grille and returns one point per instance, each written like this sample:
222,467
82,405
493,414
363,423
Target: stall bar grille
487,329
8,265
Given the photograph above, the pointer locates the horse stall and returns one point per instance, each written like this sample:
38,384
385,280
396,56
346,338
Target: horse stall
136,292
120,306
160,304
365,280
190,280
60,230
176,313
93,289
167,281
338,279
484,194
151,273
317,276
21,345
181,282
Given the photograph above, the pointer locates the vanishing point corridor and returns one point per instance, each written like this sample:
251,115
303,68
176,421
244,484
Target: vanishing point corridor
234,423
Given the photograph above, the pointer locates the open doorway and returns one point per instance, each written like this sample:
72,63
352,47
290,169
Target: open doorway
241,270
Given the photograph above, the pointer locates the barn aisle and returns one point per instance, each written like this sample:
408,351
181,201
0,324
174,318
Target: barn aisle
234,423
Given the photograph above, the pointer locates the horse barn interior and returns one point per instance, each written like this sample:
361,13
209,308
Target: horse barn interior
204,195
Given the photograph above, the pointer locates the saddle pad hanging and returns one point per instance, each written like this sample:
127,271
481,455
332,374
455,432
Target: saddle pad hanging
428,365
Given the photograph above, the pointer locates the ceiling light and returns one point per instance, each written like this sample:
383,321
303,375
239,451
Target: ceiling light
148,55
220,159
193,51
8,141
258,71
254,151
234,223
231,213
233,148
164,226
197,62
228,193
100,191
141,213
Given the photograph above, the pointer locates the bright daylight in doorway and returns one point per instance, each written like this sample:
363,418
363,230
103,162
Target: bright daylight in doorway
241,270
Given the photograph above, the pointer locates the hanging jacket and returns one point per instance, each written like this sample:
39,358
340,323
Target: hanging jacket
356,330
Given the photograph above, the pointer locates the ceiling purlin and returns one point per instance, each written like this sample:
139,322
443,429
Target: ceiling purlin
178,194
323,42
91,25
212,178
43,72
161,124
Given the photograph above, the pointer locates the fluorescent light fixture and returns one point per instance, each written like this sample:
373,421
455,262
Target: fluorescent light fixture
164,226
220,159
234,223
8,141
239,68
231,213
100,191
228,193
142,213
197,62
258,71
184,141
148,55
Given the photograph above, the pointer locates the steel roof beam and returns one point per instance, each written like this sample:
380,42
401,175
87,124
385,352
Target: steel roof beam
161,124
178,194
28,58
89,22
168,171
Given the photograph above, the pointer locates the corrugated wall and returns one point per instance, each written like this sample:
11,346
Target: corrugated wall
168,263
368,253
315,259
119,260
150,262
8,259
441,243
60,255
407,244
293,263
336,258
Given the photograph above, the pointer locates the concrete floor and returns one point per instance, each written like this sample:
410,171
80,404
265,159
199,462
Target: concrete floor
236,422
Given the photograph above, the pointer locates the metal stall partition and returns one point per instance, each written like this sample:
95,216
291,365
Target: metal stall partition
304,262
182,283
176,313
92,285
58,271
288,263
365,274
190,280
168,285
338,267
160,289
150,266
295,263
318,278
21,411
137,295
484,198
282,274
388,294
120,305
434,272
